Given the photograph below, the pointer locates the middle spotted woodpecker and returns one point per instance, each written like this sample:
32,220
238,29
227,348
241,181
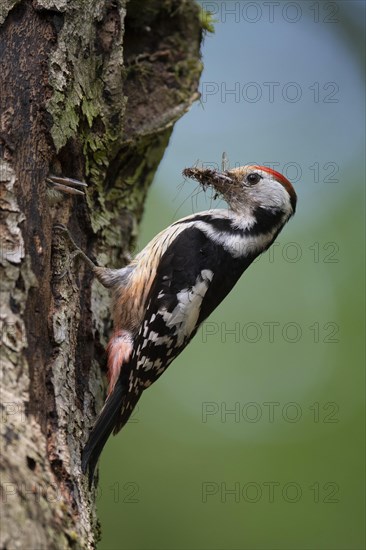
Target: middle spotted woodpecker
161,298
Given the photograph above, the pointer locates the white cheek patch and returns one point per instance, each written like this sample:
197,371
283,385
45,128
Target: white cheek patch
272,193
185,314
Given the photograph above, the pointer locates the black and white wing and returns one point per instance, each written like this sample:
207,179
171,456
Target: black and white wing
193,276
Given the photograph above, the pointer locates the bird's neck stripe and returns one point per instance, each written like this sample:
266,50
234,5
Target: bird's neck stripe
239,244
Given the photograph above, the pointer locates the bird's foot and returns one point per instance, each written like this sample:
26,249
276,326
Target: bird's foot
59,227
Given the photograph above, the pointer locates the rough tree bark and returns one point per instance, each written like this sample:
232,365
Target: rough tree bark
89,90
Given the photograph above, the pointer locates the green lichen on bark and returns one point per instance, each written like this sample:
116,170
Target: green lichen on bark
122,110
86,80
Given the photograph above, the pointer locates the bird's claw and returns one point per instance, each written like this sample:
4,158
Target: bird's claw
63,229
77,250
66,185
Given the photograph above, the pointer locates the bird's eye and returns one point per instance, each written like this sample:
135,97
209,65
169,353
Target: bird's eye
253,178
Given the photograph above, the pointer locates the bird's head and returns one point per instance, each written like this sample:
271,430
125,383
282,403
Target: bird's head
249,188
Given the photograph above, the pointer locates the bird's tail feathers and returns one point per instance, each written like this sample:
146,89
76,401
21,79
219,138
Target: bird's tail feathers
105,423
126,411
113,416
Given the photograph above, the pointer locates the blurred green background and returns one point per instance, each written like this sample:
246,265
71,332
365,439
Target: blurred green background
254,437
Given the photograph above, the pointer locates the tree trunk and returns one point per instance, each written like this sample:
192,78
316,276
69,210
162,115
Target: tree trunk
90,91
